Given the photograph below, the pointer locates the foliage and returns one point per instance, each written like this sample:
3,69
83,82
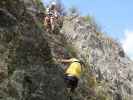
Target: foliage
127,98
92,81
39,24
71,50
73,10
88,18
60,7
40,4
91,20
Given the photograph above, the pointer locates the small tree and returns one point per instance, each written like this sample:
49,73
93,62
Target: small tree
73,11
91,20
39,4
60,7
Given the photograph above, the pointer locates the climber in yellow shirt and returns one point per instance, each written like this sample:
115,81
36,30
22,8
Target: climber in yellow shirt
72,73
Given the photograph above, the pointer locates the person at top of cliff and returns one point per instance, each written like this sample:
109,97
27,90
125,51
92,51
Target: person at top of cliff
54,9
51,15
72,72
48,19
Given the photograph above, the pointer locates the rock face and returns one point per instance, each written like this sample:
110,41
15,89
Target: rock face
104,57
28,55
27,71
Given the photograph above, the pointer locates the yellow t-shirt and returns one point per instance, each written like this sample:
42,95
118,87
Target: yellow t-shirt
74,69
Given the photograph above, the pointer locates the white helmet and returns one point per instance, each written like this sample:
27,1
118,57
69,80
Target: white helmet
53,3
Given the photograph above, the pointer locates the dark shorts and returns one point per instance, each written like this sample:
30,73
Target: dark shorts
71,82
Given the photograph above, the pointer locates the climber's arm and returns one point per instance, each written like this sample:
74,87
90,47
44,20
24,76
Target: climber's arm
65,61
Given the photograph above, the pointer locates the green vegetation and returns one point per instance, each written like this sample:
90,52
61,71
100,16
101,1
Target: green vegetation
73,10
88,18
102,95
40,4
40,24
92,81
91,20
97,90
72,50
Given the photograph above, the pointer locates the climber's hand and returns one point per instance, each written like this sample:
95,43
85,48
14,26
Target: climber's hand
59,61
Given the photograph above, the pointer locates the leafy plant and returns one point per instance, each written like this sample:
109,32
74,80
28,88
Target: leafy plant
40,4
71,50
87,18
